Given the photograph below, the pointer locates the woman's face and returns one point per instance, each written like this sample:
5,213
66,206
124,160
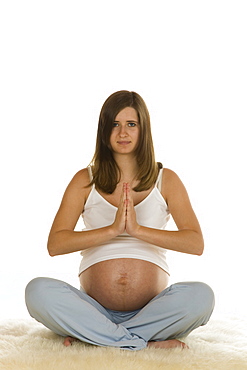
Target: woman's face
125,132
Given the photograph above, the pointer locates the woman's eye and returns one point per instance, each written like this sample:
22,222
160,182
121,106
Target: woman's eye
129,124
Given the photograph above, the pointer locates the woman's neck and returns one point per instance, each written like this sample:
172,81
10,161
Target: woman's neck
128,167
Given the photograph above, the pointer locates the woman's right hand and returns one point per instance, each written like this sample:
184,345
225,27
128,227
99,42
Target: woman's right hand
119,224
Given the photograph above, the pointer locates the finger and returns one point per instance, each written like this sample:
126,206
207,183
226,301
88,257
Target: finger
125,189
129,196
122,198
128,192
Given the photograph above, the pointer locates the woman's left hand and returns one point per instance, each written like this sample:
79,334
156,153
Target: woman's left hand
131,223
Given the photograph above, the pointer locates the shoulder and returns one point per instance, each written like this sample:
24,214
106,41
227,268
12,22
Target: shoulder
171,183
81,178
79,185
169,177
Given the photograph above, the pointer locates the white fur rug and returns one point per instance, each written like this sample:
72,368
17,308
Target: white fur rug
25,344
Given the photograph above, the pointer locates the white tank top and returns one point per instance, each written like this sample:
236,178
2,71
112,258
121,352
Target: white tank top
151,212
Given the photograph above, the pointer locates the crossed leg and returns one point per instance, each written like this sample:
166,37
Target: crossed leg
173,314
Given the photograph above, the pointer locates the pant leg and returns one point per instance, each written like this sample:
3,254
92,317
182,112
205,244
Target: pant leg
71,312
174,313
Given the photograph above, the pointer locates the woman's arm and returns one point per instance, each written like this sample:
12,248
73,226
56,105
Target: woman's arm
62,238
188,238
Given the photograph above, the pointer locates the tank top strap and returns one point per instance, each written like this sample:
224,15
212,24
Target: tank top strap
158,183
90,173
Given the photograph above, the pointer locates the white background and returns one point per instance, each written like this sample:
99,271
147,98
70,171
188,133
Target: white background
59,61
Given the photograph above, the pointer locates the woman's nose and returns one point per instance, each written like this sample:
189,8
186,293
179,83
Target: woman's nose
123,131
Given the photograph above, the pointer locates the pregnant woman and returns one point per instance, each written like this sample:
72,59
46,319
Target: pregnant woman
125,198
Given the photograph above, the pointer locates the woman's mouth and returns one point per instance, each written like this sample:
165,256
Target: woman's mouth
124,142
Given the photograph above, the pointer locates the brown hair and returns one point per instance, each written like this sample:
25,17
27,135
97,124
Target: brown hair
106,173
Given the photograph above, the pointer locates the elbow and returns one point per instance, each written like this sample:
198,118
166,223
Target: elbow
51,248
200,251
51,251
195,244
200,247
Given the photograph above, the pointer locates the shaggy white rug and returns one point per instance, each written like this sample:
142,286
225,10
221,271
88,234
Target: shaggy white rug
25,344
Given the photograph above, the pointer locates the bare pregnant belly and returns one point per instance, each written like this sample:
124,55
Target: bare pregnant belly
124,284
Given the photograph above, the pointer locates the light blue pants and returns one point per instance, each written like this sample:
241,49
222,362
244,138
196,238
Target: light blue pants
67,311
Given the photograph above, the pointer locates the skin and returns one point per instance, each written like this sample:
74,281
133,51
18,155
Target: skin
130,283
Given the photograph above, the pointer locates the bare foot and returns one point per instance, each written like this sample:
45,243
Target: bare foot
68,341
173,343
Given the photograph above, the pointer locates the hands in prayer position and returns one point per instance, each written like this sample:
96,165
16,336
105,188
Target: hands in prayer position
126,216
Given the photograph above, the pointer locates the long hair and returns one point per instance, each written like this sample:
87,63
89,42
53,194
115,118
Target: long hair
106,173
